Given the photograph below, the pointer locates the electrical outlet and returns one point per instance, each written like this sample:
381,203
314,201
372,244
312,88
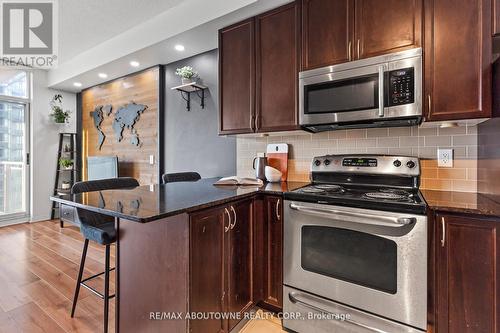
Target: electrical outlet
445,158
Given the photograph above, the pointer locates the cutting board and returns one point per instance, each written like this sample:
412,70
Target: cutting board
277,157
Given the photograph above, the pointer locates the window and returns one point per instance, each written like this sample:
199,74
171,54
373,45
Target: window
14,83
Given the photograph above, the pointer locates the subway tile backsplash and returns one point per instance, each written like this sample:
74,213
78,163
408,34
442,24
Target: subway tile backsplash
413,141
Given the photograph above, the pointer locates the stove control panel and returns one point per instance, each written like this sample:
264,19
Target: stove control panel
367,164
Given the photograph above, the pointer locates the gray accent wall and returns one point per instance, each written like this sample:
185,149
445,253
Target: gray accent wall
191,140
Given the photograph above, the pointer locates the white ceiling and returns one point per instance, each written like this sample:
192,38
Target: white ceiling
192,23
85,24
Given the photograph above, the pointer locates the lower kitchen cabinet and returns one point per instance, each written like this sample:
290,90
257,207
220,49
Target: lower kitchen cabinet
221,264
468,273
273,252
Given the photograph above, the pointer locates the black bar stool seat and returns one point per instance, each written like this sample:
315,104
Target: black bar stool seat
98,228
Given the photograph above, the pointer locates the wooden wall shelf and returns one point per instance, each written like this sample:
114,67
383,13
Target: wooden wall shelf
187,89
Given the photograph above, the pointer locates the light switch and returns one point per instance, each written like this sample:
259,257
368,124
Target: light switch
152,159
445,158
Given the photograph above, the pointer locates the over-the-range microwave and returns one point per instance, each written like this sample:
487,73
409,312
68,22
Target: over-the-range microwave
382,91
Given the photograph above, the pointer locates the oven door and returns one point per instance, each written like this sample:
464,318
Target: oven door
374,261
351,95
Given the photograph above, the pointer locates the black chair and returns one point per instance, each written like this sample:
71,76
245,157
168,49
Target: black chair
100,229
180,177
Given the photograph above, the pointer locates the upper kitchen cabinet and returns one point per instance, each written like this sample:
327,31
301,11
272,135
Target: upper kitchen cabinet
327,32
258,71
458,54
336,31
496,17
237,78
386,26
277,65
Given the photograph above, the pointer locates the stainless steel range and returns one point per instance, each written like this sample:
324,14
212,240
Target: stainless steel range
355,247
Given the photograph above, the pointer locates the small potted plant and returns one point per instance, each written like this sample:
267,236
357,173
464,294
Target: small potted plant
66,163
65,185
58,114
187,74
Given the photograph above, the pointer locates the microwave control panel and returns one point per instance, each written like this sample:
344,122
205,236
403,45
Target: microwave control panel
401,87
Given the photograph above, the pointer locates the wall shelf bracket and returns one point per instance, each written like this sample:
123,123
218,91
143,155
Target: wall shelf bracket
187,89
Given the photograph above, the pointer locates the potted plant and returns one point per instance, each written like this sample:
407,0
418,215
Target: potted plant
65,185
187,74
66,163
58,114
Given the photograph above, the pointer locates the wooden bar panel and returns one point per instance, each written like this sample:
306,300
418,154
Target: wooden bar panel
153,268
140,88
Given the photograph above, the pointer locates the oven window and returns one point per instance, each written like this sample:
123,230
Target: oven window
355,94
351,256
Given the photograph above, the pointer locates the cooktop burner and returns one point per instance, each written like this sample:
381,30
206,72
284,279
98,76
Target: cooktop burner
385,195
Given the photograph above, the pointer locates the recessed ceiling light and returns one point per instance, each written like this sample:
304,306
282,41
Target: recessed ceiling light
134,63
102,75
77,84
179,47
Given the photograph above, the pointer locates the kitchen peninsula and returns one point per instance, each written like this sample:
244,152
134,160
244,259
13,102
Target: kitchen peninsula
168,235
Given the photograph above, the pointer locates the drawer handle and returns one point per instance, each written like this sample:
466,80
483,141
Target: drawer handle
443,231
349,50
226,229
234,214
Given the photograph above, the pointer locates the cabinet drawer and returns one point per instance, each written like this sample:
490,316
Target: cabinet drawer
68,214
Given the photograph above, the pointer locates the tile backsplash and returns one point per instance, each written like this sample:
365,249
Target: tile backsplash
413,141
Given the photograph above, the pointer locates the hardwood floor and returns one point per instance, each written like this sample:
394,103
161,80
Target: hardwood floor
38,269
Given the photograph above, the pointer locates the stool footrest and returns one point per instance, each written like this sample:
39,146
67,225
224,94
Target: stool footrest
96,275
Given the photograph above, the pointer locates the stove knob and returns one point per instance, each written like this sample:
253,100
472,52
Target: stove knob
317,163
327,162
397,163
410,164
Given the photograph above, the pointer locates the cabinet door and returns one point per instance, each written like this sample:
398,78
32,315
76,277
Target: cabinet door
387,26
273,286
327,32
496,16
467,275
457,59
206,265
237,78
239,260
277,38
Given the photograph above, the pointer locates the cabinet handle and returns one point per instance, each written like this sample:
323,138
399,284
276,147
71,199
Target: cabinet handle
358,50
234,213
226,229
443,231
349,51
252,122
278,217
429,101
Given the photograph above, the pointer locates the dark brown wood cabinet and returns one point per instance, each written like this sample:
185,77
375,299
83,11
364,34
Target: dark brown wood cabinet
337,31
221,264
237,78
207,268
467,274
458,54
327,32
258,71
273,252
239,259
277,68
386,26
496,16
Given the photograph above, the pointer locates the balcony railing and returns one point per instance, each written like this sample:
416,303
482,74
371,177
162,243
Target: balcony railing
12,187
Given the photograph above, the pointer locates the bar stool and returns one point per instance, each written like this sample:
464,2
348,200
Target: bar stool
180,177
98,228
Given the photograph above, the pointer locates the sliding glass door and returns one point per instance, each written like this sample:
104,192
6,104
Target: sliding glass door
14,171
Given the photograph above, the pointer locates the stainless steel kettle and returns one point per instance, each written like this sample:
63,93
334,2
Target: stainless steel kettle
259,165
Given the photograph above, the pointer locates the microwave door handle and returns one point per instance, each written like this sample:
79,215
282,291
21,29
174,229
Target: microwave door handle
364,218
381,91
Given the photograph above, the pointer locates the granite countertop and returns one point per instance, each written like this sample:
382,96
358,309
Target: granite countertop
463,202
149,203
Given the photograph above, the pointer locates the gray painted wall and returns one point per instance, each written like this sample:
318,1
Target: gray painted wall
191,140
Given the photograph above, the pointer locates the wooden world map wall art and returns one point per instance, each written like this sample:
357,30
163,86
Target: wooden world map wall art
125,117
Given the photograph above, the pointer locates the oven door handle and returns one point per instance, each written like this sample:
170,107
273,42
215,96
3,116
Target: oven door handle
364,218
294,298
